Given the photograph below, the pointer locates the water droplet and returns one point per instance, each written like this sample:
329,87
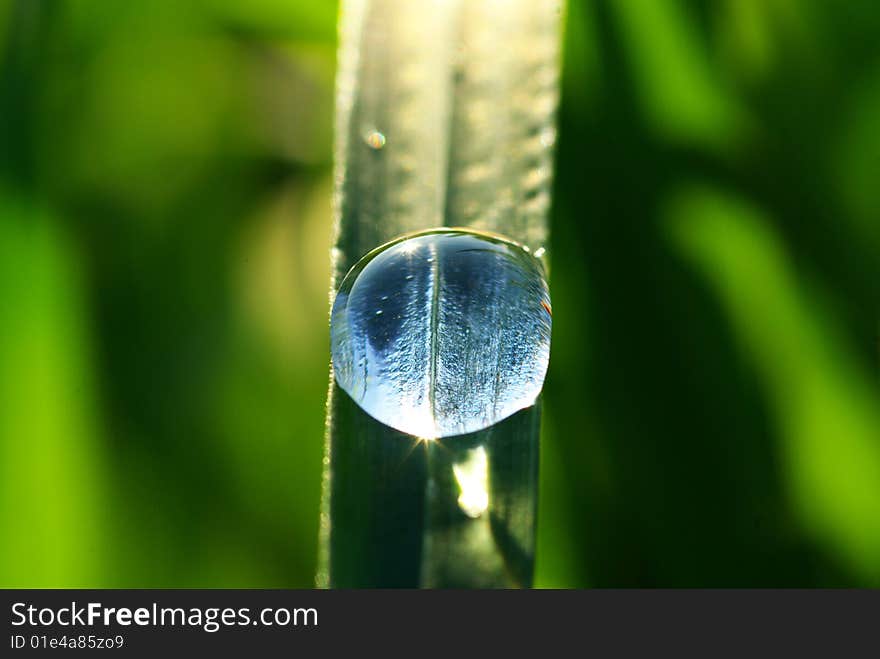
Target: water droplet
539,252
548,137
375,139
463,346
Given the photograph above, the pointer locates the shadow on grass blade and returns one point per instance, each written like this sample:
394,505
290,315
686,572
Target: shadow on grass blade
449,513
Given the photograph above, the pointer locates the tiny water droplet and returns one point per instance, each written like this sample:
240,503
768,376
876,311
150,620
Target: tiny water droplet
548,137
375,139
539,252
462,347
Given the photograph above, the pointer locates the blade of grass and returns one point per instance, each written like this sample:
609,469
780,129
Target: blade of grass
444,117
51,482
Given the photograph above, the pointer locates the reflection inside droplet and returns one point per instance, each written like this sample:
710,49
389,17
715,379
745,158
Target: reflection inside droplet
462,345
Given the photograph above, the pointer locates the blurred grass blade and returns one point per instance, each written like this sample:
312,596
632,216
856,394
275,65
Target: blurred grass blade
445,116
51,484
825,401
683,97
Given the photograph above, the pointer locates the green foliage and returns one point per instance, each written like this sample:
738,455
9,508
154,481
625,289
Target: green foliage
712,399
159,366
51,477
824,399
710,411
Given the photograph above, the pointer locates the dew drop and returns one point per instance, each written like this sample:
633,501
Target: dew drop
375,140
463,346
548,137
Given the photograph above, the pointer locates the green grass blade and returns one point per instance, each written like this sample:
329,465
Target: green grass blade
445,116
52,486
392,86
502,118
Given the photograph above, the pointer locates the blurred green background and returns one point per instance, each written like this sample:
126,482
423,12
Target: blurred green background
712,412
